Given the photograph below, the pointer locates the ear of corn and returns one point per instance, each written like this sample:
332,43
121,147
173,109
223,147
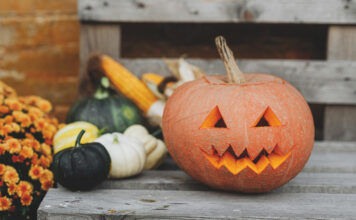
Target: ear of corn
128,84
152,77
152,81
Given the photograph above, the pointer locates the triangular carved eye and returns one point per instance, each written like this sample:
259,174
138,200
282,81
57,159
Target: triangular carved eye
267,119
214,120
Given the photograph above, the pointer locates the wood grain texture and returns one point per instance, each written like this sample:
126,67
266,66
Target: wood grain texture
157,204
340,121
316,80
273,11
178,180
103,38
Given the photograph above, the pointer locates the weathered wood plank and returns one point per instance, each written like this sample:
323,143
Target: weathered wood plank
178,180
155,204
340,121
272,11
318,81
103,38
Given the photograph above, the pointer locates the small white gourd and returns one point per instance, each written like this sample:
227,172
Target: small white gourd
155,149
128,155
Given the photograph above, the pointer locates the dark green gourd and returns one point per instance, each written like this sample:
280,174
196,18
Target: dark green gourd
82,166
111,113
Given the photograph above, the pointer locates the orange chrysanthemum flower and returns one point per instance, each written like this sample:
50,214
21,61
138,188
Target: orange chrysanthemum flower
11,188
10,175
40,124
44,105
45,161
4,109
13,104
35,172
8,119
2,169
46,176
47,185
3,148
23,188
26,199
34,160
5,203
26,152
14,145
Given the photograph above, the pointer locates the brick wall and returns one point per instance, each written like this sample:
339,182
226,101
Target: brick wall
39,49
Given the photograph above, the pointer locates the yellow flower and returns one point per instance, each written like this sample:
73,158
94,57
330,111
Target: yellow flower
26,152
46,149
5,203
14,127
35,172
14,145
24,188
44,105
10,175
11,188
47,185
26,200
47,175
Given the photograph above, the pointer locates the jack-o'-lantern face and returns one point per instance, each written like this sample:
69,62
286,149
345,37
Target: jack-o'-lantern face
236,163
250,138
247,132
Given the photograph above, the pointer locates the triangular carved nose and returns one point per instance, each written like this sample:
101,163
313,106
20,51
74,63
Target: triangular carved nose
267,119
214,120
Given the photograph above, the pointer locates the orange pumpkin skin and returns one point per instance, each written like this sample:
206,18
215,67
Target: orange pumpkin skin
278,151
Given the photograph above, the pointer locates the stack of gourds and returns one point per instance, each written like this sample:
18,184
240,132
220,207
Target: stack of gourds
106,134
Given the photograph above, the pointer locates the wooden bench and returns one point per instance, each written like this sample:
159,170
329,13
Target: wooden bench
325,189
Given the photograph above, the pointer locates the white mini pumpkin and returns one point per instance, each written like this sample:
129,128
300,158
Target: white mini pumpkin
127,154
155,148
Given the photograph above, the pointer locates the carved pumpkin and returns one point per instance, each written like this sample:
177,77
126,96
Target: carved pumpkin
247,132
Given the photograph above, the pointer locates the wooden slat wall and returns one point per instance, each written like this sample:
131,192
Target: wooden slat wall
261,11
102,38
315,79
340,121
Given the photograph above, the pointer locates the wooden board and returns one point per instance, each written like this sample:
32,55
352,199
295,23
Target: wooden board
178,180
156,204
340,120
316,80
272,11
103,38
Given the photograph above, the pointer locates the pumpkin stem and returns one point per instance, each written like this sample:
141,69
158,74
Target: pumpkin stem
116,139
79,138
234,74
103,89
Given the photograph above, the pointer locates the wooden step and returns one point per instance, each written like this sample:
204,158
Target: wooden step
178,180
156,204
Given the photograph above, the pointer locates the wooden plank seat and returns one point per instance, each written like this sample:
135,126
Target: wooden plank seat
101,204
173,194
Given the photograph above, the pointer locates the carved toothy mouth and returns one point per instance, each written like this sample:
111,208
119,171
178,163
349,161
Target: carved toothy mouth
235,164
